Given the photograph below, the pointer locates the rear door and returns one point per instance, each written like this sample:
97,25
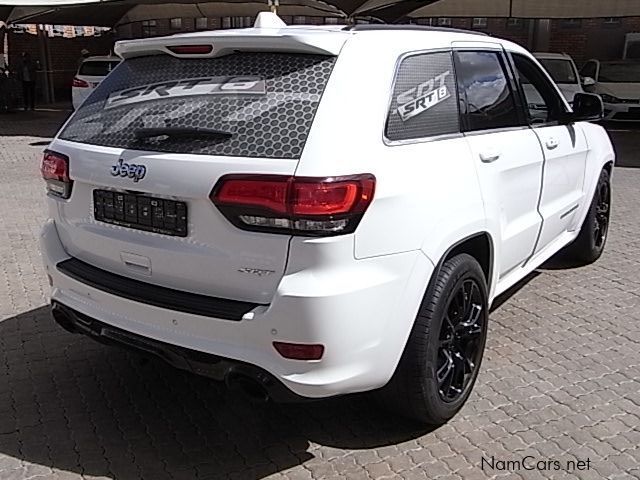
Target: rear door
565,151
507,152
140,203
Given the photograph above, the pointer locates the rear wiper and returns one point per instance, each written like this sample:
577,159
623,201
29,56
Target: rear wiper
177,132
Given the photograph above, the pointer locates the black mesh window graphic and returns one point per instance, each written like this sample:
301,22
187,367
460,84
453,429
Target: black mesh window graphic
424,102
266,101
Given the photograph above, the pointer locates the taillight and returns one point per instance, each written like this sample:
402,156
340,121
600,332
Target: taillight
79,83
191,49
55,172
306,206
299,351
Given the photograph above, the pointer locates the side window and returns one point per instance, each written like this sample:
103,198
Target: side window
543,102
486,98
589,70
424,100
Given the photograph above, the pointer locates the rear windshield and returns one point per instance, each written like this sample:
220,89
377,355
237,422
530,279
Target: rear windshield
264,103
97,68
560,70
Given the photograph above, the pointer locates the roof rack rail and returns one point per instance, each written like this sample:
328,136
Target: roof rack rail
367,27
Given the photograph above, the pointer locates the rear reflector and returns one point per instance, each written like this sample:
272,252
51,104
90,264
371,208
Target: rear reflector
294,205
191,49
55,172
78,83
299,351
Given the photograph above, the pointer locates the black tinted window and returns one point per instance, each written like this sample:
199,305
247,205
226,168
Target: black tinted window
424,100
486,98
262,103
589,70
97,68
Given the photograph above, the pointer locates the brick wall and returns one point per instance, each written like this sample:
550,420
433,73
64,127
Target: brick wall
593,38
582,39
588,38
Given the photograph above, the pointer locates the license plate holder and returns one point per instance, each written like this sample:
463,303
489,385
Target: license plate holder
141,212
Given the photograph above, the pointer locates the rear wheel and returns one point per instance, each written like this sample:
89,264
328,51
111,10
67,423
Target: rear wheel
591,240
442,357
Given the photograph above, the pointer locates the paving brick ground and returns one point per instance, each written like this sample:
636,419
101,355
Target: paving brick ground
560,380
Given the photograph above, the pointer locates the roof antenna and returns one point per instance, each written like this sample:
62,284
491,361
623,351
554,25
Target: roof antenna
270,19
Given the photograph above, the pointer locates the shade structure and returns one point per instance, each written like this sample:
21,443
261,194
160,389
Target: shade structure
530,8
113,12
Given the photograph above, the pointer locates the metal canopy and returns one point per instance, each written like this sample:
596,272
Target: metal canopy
530,8
113,12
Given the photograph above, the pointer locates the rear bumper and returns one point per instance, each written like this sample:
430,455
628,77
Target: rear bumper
362,312
204,364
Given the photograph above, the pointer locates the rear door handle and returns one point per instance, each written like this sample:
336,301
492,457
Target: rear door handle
552,143
489,156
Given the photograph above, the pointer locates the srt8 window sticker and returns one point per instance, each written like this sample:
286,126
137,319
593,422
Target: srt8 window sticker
424,102
188,87
414,101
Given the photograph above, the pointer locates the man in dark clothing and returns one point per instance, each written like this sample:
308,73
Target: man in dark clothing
4,90
27,74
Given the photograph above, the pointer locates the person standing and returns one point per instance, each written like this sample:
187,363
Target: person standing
84,54
27,74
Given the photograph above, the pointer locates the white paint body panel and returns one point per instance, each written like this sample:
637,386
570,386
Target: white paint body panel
357,294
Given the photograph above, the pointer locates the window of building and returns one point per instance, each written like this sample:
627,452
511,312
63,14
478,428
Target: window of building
149,28
299,20
424,102
515,23
480,22
226,22
237,22
444,21
486,98
175,23
611,21
571,23
331,21
202,23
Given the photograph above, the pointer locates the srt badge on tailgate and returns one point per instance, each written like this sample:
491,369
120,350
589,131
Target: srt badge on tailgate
131,170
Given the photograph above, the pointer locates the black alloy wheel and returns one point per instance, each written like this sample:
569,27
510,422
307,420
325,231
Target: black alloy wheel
461,345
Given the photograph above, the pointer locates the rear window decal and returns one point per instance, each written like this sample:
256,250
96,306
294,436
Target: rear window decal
249,85
437,92
267,101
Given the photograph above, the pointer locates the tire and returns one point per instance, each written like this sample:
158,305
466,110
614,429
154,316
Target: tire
589,244
418,388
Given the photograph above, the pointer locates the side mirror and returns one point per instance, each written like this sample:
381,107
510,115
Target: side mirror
588,82
587,107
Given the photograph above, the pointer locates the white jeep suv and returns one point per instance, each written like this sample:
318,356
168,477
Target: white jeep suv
309,212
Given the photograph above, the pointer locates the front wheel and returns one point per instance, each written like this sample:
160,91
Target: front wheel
589,244
441,360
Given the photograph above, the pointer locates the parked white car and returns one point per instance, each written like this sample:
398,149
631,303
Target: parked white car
270,208
618,83
564,72
90,73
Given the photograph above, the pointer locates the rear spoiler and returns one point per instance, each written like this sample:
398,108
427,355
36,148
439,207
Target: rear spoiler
292,40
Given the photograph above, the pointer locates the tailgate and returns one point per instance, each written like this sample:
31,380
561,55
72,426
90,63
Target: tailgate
140,207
